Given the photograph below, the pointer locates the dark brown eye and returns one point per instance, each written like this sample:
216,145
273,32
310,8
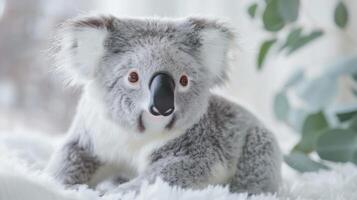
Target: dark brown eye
184,80
133,77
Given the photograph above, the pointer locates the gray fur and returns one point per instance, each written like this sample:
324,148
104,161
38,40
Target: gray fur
74,162
216,132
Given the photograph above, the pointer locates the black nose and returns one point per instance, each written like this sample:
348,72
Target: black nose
162,98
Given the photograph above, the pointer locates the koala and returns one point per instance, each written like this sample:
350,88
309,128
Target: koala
147,110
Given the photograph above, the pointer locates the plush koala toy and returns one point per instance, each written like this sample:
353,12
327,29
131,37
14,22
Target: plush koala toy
147,112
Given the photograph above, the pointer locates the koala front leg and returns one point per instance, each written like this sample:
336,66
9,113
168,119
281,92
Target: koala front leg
73,163
184,172
258,168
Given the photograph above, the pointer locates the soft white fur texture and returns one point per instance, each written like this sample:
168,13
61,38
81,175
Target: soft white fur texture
216,44
78,64
23,156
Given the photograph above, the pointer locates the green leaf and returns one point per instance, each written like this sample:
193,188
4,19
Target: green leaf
354,77
264,49
318,92
315,122
303,40
313,128
338,145
289,10
272,20
252,10
295,39
292,38
281,106
353,123
302,163
341,15
345,116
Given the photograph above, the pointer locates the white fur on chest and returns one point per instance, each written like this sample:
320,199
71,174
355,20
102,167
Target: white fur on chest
114,145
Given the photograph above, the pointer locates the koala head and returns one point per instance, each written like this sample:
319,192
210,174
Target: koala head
150,74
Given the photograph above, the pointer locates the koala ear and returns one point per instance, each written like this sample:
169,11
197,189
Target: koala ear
216,40
80,45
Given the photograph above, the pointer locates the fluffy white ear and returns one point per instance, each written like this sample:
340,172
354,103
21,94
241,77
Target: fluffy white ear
80,46
217,42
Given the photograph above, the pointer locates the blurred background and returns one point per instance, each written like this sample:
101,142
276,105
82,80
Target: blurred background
296,67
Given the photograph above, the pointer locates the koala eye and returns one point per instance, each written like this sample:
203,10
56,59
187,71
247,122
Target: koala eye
133,77
184,80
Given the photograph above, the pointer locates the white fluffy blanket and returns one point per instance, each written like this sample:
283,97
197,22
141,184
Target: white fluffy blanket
23,157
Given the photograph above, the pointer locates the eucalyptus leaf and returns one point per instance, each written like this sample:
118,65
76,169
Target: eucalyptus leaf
264,49
338,145
317,93
272,20
341,15
353,123
292,38
303,163
281,106
313,128
303,40
252,10
345,116
289,10
315,122
346,65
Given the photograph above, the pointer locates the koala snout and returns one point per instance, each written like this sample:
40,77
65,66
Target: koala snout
162,98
